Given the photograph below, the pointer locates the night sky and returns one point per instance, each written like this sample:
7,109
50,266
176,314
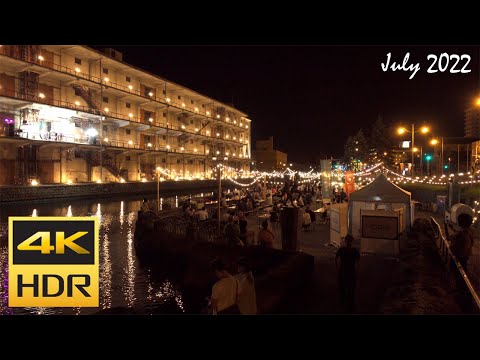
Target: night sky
311,98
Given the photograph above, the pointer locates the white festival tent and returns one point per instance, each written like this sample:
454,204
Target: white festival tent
380,194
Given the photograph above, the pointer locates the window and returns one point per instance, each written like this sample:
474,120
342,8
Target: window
127,132
105,70
78,61
147,91
179,97
178,161
191,141
147,115
127,158
128,79
128,105
200,162
190,162
77,92
105,99
164,114
163,160
164,137
191,122
191,101
178,140
164,92
147,138
105,128
203,106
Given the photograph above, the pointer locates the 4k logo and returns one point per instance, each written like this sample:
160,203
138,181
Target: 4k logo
53,261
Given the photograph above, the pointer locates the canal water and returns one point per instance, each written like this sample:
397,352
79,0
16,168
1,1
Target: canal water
123,282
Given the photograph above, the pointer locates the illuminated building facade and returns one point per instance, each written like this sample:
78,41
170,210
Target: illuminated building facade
72,114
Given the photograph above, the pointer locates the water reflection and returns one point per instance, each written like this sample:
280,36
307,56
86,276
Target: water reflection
129,282
123,282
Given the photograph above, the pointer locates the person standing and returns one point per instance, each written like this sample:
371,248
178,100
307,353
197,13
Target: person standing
462,245
265,236
347,262
232,233
462,241
247,298
224,291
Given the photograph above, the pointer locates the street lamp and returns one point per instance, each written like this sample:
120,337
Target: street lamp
423,130
219,174
435,142
421,157
158,188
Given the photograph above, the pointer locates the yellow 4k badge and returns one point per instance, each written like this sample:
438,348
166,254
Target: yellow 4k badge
53,261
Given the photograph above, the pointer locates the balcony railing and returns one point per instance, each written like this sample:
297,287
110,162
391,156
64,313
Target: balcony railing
113,115
98,80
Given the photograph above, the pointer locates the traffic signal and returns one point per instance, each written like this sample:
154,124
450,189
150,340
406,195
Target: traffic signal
445,166
428,157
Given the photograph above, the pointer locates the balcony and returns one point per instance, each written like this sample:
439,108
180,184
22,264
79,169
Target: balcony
166,101
120,119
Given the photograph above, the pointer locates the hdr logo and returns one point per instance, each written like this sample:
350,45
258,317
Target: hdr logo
53,261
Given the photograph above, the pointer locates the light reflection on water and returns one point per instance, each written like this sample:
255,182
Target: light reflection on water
123,282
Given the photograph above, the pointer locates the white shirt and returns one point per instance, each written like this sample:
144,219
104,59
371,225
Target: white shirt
247,298
225,292
202,215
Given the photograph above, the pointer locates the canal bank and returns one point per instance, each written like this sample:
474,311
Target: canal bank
15,194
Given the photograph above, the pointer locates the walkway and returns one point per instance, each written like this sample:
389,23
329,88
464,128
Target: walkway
385,284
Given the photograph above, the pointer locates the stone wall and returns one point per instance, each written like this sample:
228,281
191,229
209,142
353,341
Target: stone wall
45,192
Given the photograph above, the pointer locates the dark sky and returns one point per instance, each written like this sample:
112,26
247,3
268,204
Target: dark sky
311,98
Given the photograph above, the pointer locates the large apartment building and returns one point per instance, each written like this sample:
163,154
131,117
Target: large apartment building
71,114
472,122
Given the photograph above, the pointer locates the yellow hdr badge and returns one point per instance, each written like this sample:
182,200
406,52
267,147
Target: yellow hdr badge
53,261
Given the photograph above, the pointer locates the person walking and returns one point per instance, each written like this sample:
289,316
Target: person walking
347,261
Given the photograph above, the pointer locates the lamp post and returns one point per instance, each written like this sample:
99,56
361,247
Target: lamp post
423,130
421,158
158,188
435,142
219,177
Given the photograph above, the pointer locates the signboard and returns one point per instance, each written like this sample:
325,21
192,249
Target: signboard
380,227
334,220
349,183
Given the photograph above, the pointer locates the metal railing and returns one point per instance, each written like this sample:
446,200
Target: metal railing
98,80
451,261
110,114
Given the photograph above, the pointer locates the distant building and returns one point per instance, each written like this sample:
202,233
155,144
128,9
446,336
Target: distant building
268,159
472,122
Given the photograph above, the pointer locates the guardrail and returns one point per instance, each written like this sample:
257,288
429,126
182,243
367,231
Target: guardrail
450,259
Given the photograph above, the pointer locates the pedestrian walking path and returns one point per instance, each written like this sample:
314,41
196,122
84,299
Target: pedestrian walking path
409,277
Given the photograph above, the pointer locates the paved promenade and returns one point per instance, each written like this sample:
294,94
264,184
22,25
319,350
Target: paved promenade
382,284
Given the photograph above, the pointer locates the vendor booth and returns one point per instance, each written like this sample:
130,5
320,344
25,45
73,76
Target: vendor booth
378,213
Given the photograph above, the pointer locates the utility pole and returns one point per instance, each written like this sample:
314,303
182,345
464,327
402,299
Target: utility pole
219,171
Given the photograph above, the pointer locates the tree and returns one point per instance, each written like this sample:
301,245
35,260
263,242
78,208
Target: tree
381,142
356,150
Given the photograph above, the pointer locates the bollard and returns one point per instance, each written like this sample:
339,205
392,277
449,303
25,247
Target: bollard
289,224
